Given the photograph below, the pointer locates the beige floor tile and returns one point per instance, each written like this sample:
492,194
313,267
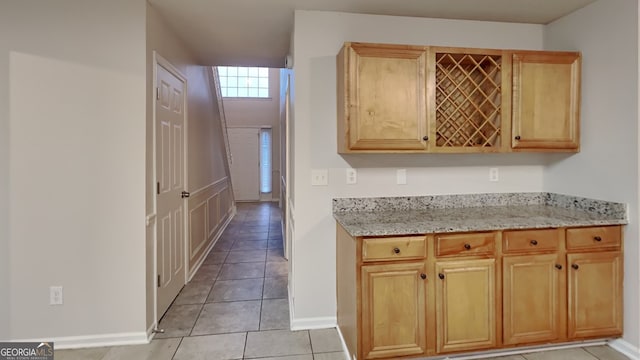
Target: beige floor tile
207,273
162,349
291,357
275,315
275,269
215,257
325,340
254,236
223,244
194,293
236,290
509,357
565,354
275,288
80,354
330,356
276,255
178,321
246,256
228,317
277,343
275,244
249,245
242,271
604,352
219,347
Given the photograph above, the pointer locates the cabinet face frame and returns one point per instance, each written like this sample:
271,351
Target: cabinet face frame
414,293
529,112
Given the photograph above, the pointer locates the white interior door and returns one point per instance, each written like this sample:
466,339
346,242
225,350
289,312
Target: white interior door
170,177
245,163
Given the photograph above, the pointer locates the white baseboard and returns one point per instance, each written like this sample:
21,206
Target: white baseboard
313,323
150,332
76,342
626,348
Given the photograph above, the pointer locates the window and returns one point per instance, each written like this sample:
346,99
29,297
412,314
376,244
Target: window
236,81
265,160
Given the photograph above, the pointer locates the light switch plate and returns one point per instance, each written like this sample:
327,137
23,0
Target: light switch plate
494,174
401,177
319,177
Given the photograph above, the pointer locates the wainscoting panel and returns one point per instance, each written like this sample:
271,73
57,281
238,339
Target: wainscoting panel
209,209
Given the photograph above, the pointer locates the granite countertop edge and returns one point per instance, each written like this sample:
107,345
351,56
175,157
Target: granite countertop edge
466,213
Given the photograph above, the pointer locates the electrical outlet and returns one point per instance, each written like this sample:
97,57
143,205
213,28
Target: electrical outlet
352,176
401,177
494,174
319,177
55,295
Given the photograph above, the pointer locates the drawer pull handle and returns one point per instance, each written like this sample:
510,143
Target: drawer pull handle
575,266
467,246
396,250
558,266
597,238
441,276
534,242
423,276
517,137
425,138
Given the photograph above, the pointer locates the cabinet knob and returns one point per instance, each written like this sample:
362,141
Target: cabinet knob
396,250
423,276
425,138
575,266
441,276
534,242
517,137
558,266
467,246
597,238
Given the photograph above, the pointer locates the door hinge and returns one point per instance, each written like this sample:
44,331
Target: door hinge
158,187
158,280
157,93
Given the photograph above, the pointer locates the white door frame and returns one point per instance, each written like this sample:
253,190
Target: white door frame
160,61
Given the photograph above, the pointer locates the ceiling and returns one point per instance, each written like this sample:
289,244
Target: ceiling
258,32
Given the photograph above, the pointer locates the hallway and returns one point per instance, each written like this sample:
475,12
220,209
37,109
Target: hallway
235,307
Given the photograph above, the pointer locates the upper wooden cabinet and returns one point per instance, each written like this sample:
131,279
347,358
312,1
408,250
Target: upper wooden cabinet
418,99
382,101
546,101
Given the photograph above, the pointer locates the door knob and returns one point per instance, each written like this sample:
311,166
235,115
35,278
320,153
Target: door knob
185,194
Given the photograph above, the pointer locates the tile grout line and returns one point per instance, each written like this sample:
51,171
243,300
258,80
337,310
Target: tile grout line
177,347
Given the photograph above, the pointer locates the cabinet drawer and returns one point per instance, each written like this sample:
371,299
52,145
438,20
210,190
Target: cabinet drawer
531,240
593,237
465,244
394,248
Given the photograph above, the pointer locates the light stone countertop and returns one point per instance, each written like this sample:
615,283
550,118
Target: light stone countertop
467,216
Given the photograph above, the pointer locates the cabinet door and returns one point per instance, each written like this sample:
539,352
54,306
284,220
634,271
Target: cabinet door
465,304
595,294
531,298
393,310
546,101
386,101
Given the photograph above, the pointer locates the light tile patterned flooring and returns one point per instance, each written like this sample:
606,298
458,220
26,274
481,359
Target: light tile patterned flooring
236,307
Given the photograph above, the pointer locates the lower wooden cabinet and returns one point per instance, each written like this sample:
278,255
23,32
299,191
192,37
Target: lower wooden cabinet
465,305
419,296
531,298
595,294
393,310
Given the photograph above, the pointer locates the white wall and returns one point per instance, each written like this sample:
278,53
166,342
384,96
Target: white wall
207,161
243,112
318,38
4,172
75,71
607,166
